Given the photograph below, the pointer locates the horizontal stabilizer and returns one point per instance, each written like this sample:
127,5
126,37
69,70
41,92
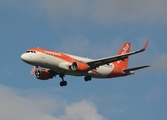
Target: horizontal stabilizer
135,68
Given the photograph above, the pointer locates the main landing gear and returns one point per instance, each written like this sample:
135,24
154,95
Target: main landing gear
63,82
87,78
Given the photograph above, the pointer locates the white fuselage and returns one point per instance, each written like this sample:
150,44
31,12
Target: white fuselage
57,63
62,66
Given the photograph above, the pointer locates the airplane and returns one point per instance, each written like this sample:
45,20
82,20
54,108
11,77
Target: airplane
48,63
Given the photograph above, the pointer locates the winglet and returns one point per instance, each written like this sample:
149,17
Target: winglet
145,47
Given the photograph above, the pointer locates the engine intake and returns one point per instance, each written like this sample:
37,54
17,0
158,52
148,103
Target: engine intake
43,74
79,66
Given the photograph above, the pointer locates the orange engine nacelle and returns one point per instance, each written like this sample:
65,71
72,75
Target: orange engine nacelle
43,74
79,66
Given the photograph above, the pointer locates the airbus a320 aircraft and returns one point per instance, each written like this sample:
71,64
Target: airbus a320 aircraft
47,64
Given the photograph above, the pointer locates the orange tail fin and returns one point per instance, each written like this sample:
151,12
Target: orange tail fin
124,62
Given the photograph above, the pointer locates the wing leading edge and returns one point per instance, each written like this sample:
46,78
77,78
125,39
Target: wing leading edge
96,63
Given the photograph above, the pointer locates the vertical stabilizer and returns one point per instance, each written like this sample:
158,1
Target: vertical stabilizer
124,62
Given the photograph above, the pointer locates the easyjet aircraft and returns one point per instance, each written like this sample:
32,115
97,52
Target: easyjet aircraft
47,64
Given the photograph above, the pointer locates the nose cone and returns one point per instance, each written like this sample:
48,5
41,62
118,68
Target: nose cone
28,58
23,57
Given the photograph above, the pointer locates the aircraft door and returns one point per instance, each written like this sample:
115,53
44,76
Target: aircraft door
44,59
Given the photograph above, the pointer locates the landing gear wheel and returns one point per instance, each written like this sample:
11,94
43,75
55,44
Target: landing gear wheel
88,78
63,83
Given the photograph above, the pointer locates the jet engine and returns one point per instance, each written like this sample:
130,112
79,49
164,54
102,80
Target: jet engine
79,66
43,74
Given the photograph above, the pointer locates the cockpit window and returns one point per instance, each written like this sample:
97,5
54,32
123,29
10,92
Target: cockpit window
30,51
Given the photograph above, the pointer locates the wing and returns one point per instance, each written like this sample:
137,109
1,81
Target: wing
96,63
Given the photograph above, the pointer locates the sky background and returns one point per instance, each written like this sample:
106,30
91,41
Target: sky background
89,28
